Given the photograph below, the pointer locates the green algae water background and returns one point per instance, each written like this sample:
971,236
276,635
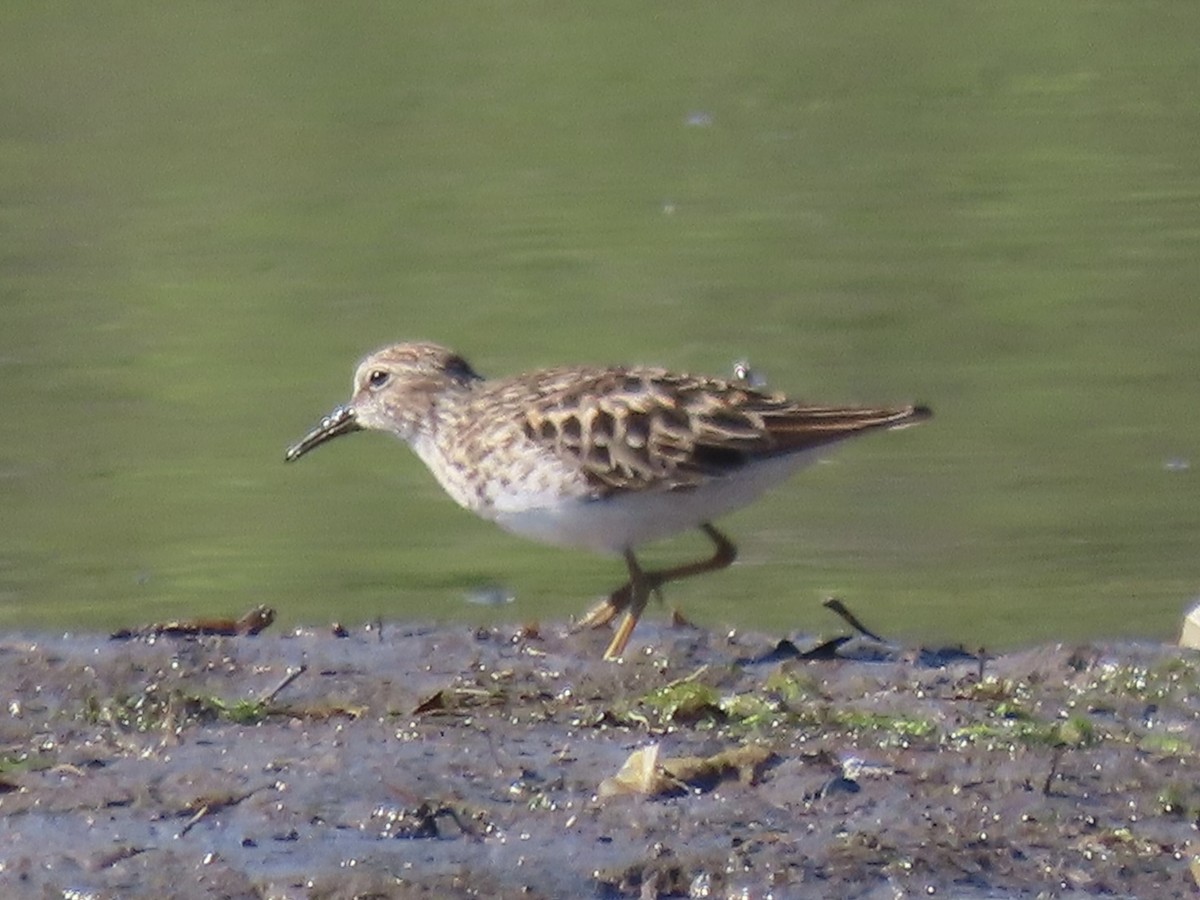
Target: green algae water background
211,211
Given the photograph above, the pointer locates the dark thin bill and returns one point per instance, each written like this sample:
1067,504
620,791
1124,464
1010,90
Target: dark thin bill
340,421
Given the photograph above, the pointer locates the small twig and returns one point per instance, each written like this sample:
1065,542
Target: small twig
291,675
835,605
120,854
216,805
194,820
1053,773
687,678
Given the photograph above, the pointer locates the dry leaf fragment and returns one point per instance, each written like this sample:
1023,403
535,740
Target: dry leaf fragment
645,773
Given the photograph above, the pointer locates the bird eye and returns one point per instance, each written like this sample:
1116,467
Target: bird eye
378,378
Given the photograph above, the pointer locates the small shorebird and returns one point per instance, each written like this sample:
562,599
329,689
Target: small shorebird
605,459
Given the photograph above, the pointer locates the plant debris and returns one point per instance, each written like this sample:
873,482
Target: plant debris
252,623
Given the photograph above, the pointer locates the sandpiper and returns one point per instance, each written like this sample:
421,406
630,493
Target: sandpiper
606,459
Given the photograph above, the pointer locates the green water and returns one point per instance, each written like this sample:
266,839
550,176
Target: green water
210,211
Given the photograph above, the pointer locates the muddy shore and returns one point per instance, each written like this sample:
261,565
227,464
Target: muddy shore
402,761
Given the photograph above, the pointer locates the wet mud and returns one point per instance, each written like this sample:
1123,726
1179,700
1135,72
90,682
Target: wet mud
409,761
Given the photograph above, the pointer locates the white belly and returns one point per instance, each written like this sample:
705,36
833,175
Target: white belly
626,521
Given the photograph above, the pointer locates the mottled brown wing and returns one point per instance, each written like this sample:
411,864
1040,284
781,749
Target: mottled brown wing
646,429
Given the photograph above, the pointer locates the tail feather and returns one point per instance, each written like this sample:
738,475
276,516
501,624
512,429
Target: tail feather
805,427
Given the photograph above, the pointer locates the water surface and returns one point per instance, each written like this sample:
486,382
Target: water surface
210,212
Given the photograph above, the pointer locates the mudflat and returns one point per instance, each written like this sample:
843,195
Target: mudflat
445,761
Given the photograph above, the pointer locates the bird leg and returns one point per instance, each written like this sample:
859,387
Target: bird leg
635,604
631,597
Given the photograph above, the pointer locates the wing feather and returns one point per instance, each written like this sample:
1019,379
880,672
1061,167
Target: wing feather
646,429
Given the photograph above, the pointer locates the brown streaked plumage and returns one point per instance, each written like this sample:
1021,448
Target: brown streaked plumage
602,458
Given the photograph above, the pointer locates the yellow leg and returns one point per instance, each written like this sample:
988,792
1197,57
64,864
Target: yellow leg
639,593
631,597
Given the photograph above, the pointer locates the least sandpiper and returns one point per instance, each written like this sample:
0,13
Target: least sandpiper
606,459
